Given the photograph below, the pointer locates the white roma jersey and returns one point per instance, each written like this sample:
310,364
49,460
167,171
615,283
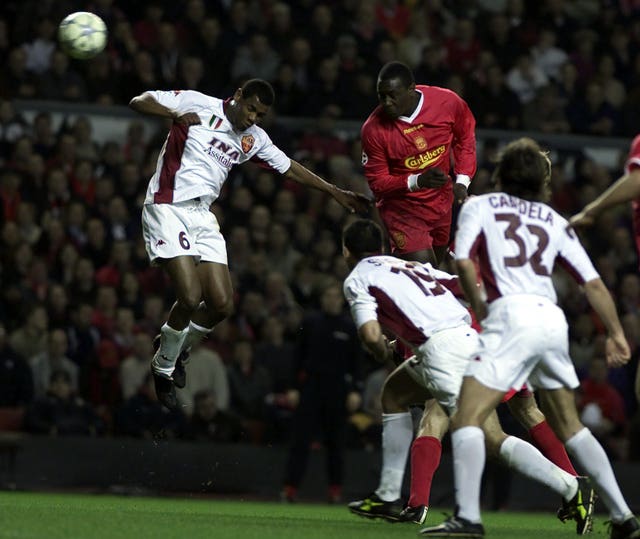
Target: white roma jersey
406,298
195,160
516,243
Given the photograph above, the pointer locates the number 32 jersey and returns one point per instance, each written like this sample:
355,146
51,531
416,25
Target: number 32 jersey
409,299
516,244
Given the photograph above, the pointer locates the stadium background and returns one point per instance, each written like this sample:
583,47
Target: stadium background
74,165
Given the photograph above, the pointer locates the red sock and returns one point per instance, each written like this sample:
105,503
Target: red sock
547,442
425,459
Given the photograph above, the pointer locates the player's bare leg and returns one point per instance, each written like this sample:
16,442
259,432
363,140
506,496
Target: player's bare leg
425,459
524,408
191,283
399,392
560,409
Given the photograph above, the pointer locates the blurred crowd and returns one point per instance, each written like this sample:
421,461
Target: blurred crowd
79,303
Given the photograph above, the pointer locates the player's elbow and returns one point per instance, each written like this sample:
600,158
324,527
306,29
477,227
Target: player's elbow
137,101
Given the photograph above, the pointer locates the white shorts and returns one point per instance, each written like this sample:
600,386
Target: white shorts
441,362
184,228
524,337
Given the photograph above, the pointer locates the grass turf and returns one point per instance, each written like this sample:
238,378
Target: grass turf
63,516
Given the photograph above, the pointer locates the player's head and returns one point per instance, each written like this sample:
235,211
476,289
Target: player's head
360,239
523,170
250,103
396,89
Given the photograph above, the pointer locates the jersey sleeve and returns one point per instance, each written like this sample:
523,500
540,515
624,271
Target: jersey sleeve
376,165
469,230
573,258
272,156
464,139
181,101
633,161
362,304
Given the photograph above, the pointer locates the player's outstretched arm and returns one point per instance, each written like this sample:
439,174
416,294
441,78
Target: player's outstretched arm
617,348
375,342
469,282
146,104
625,189
354,202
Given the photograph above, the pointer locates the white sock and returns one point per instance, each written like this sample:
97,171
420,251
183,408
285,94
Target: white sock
468,463
589,453
397,435
526,459
164,360
195,334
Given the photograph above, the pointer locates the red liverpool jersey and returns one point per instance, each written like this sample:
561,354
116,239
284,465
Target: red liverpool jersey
633,163
440,133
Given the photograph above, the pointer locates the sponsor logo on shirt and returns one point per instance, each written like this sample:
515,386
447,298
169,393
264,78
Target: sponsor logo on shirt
412,129
423,160
222,152
247,143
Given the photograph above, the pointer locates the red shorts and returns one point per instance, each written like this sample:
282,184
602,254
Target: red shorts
414,226
523,393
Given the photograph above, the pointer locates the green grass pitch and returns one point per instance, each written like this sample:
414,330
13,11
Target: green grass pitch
64,516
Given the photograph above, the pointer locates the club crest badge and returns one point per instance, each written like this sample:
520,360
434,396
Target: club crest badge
247,143
420,143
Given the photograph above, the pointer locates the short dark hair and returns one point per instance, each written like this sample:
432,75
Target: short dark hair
397,70
363,238
260,88
523,169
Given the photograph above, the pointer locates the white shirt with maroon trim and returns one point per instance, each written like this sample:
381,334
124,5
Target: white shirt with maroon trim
195,161
411,300
516,243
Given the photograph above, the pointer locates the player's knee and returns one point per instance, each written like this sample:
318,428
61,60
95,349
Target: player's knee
390,401
221,307
190,300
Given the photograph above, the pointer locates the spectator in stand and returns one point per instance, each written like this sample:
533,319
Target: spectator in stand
61,82
61,412
525,78
545,113
135,366
593,115
463,48
142,416
211,424
30,339
547,56
600,405
256,58
207,373
54,358
328,357
16,80
496,105
16,380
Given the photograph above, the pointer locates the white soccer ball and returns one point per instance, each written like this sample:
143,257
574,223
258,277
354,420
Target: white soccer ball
82,35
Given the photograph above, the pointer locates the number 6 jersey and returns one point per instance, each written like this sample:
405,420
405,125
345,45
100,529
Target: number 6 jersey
407,298
516,243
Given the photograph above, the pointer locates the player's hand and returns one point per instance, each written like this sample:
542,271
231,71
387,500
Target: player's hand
617,350
582,219
354,202
433,178
188,118
460,193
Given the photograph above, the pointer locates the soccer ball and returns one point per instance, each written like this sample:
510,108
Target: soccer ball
82,35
